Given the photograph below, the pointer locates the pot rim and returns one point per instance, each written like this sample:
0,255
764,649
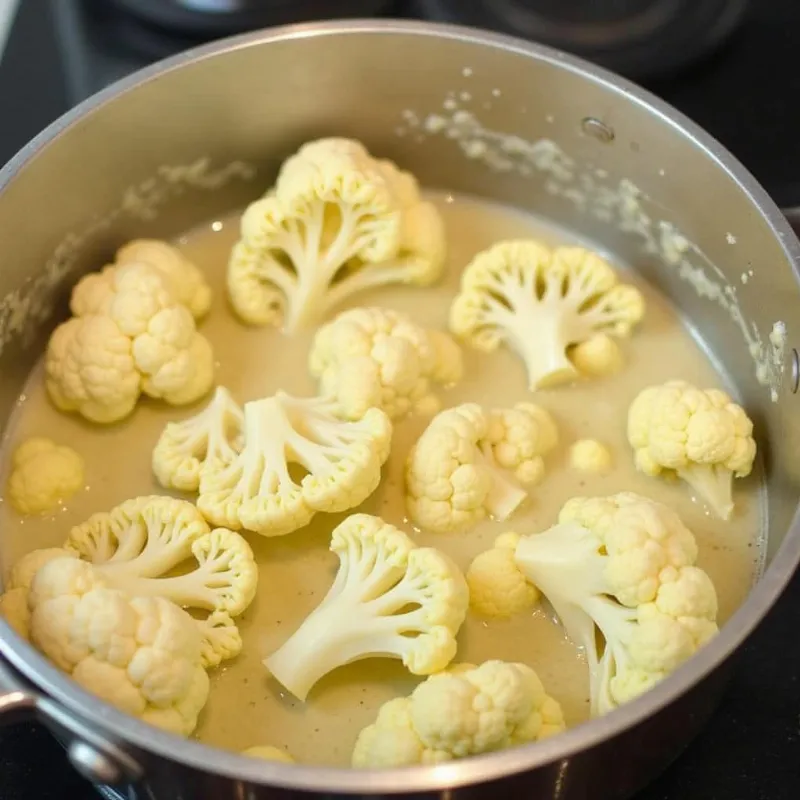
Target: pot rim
478,769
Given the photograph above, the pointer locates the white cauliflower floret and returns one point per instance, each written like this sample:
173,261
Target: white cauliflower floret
378,358
261,491
208,440
337,221
139,338
597,357
589,455
464,465
700,435
623,567
267,752
186,280
496,586
135,545
457,714
542,303
14,601
390,599
44,475
141,654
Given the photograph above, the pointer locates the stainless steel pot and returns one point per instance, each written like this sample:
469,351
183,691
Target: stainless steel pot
202,134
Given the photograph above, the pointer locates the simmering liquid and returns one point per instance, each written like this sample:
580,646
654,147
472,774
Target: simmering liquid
246,706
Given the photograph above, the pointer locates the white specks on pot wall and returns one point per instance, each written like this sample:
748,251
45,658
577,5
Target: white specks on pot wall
620,203
25,308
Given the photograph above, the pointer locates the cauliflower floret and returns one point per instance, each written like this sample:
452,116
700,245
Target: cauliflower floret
210,439
377,358
44,475
141,654
542,303
139,338
260,491
136,544
185,279
597,357
700,435
589,455
14,601
624,567
89,368
496,586
390,599
457,472
457,714
337,221
267,752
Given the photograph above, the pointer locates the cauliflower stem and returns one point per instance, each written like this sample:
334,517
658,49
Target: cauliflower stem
713,483
390,599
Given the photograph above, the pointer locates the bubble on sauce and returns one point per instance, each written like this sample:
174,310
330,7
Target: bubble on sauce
620,203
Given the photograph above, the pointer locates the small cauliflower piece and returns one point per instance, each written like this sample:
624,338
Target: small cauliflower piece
375,357
700,435
623,567
137,339
185,279
14,601
208,440
589,455
458,714
141,654
390,599
267,752
597,357
133,546
336,222
542,303
44,475
341,462
496,586
470,463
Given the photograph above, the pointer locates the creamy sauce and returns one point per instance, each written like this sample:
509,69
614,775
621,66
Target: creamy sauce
246,707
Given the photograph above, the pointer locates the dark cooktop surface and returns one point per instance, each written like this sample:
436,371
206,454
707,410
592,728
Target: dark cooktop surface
746,94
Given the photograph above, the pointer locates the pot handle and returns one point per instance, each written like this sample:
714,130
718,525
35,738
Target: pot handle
95,758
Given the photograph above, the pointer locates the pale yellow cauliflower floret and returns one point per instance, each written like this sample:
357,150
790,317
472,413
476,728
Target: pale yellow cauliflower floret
44,475
336,222
460,713
267,752
376,357
544,304
141,654
598,356
700,435
497,588
589,455
132,336
471,463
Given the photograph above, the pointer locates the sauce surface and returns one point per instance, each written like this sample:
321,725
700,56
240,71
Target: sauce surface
246,706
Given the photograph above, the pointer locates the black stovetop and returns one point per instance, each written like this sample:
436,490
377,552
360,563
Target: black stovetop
746,95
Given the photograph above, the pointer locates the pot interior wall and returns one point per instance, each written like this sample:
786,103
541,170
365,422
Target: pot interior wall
205,138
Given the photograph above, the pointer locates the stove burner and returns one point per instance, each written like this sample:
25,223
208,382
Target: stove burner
639,38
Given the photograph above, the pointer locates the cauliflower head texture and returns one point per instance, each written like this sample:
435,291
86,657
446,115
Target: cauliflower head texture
43,476
337,221
390,599
470,463
623,567
700,435
140,654
542,303
208,440
462,713
136,546
137,338
497,588
340,461
378,358
590,456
